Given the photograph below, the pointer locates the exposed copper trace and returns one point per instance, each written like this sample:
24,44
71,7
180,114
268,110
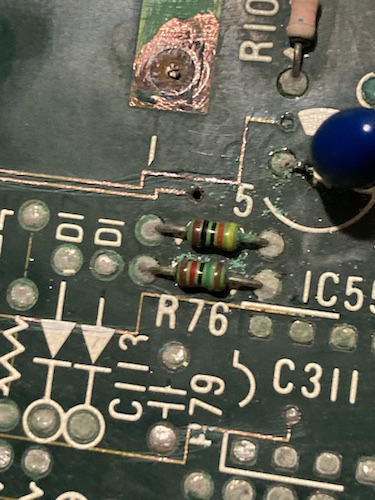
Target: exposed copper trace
173,70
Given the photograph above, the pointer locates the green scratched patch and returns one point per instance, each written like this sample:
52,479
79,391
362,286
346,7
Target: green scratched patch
155,13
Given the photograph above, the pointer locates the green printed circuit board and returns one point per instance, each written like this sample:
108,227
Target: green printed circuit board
186,311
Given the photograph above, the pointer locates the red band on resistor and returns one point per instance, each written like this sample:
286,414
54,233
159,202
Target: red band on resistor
220,234
302,23
193,273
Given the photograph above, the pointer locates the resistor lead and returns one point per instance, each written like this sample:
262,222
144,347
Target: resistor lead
301,29
210,276
201,233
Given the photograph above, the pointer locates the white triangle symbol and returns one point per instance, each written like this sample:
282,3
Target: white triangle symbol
97,339
56,333
312,118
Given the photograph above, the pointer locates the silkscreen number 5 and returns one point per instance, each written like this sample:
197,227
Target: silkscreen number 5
241,197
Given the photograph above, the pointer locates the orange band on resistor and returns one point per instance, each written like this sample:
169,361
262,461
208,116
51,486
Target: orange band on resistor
302,23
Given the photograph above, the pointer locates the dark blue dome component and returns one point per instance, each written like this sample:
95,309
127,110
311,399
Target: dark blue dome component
343,149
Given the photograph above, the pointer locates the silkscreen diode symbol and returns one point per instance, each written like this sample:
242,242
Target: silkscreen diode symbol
201,233
209,276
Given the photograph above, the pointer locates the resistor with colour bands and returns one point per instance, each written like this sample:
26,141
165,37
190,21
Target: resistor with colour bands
201,233
209,276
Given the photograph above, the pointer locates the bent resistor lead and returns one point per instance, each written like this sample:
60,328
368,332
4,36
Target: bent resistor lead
301,29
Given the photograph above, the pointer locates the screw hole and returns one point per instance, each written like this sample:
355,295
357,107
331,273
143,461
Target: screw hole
197,194
173,71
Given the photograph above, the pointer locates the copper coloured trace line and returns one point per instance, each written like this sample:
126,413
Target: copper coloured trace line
113,188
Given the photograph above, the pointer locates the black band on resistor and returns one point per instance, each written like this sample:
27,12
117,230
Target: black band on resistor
204,233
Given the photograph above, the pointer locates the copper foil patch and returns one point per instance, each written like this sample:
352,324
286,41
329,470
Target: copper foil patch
173,71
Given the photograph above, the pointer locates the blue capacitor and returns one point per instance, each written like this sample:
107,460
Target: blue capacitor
343,149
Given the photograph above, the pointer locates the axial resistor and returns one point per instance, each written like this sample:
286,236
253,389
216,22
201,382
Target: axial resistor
210,276
207,234
201,233
302,22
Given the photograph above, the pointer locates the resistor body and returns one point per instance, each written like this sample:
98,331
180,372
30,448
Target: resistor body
207,234
212,276
209,276
302,23
201,233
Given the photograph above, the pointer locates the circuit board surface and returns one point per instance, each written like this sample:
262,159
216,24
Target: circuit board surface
276,386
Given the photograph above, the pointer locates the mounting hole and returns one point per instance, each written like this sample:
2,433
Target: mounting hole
196,194
172,71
